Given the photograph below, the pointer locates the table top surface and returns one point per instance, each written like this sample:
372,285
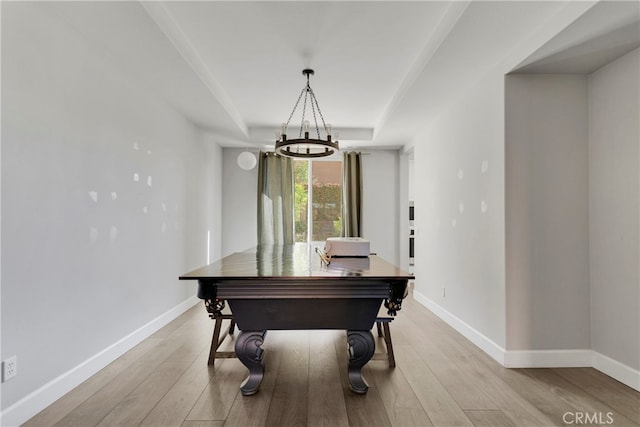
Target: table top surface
294,262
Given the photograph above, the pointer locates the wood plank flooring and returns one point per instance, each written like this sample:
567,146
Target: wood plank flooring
440,380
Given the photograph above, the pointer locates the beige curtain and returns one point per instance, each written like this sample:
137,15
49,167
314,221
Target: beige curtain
275,199
351,195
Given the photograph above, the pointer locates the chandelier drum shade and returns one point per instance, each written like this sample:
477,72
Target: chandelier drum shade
305,146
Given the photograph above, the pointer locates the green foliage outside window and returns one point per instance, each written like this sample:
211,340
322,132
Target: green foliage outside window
301,174
326,204
326,211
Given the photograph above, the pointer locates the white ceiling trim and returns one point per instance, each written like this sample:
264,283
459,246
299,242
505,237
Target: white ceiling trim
172,30
447,22
605,31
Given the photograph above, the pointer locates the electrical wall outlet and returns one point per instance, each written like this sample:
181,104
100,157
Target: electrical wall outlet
9,368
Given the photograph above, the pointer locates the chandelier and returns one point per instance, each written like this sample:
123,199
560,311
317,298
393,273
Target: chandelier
304,146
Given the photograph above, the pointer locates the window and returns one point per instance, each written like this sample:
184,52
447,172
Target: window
318,199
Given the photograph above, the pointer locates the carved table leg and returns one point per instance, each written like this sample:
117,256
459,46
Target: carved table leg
249,352
361,347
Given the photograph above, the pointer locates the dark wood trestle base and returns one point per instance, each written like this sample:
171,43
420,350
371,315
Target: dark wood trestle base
214,308
287,288
248,346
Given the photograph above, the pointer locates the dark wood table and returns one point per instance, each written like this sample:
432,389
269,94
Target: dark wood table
289,287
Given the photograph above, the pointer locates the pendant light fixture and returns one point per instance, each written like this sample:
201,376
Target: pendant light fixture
305,146
246,160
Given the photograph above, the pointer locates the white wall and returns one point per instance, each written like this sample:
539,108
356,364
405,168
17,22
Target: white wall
380,204
381,198
614,109
211,189
405,193
466,260
239,203
90,254
459,202
572,219
1,353
547,218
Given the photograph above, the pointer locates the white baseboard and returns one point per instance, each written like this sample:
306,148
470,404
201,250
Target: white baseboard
548,358
536,358
36,401
621,372
484,343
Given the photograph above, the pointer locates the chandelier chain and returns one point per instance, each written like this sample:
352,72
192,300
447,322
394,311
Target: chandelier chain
313,109
324,125
304,109
295,106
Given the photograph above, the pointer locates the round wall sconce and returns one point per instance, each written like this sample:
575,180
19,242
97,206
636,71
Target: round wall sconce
247,160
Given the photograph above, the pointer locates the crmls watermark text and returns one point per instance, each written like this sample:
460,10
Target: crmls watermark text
579,418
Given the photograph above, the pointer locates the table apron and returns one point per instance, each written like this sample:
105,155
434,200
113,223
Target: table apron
325,313
293,290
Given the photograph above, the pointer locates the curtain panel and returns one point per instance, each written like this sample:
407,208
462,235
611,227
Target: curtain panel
275,199
351,194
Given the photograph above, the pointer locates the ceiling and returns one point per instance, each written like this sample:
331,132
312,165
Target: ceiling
602,34
383,69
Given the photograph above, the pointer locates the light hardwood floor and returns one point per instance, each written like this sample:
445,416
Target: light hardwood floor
441,379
